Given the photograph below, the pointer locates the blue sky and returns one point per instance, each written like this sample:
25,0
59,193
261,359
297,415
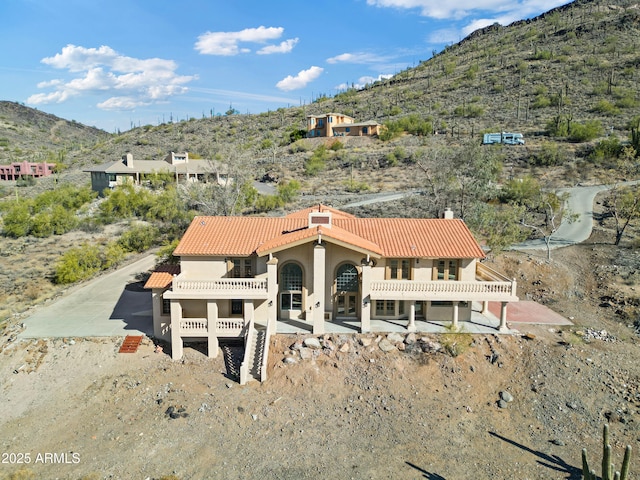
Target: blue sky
120,63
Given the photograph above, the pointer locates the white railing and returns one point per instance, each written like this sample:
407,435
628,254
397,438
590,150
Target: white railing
440,290
229,327
487,273
265,355
222,285
245,367
193,326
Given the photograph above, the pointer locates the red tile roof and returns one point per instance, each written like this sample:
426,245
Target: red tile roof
386,237
162,276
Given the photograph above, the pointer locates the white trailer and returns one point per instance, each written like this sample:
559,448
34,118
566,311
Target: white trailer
506,138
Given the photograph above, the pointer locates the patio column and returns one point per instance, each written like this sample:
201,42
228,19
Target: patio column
503,318
455,325
485,307
272,293
317,312
212,337
412,317
365,311
176,339
248,310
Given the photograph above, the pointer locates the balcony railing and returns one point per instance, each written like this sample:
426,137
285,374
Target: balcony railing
443,290
193,326
224,327
220,288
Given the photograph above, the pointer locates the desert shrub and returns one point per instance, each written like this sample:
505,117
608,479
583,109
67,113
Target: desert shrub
550,154
138,238
17,220
316,162
25,181
288,190
607,149
78,264
605,107
112,254
336,145
299,146
579,132
266,203
354,186
41,225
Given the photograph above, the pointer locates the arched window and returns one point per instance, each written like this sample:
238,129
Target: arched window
291,287
347,278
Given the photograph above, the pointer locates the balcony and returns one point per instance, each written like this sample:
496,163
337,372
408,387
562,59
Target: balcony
221,288
199,327
488,286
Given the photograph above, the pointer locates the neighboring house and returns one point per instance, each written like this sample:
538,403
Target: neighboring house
26,169
337,124
112,174
320,265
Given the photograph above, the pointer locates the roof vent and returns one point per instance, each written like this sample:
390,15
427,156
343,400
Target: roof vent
317,219
448,214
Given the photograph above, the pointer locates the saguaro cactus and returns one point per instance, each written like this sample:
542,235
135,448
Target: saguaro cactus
608,472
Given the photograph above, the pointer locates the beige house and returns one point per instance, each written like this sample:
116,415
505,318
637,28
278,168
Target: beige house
339,125
245,276
126,170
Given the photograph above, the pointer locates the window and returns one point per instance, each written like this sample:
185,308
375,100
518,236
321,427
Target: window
291,287
242,268
348,129
347,278
320,123
237,307
166,306
365,130
398,269
385,308
447,270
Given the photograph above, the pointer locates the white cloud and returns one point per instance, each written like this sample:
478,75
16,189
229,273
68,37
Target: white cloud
301,80
227,43
284,47
359,58
363,82
465,8
103,71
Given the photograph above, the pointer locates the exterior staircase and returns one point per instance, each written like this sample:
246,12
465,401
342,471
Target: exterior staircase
254,365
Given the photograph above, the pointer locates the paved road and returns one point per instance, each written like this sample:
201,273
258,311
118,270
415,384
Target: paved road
580,203
112,305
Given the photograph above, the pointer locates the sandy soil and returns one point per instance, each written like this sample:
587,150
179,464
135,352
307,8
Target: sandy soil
75,408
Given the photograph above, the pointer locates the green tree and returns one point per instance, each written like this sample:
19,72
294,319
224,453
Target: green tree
17,220
77,264
623,204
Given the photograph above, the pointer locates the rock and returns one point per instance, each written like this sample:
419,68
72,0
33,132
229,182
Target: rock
313,343
289,360
365,341
506,396
410,339
558,442
502,404
572,405
345,347
395,337
386,346
431,347
305,353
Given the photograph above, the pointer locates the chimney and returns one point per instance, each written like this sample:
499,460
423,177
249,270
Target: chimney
128,160
317,219
448,214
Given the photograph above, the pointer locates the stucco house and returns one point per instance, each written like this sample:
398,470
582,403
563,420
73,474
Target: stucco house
247,276
126,170
15,170
339,125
